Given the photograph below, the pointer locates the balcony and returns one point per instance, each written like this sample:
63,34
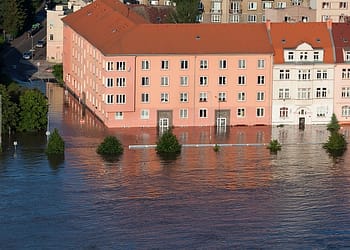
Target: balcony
234,11
215,11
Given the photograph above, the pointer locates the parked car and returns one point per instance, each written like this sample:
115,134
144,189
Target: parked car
40,44
27,55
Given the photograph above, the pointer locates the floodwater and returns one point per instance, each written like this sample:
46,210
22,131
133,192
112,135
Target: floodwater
240,197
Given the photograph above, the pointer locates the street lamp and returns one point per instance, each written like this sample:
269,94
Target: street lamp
47,135
15,145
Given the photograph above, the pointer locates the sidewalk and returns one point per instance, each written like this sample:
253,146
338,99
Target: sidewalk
43,70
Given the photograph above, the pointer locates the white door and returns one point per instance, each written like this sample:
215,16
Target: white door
164,124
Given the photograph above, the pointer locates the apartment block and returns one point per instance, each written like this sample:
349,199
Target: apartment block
336,10
179,75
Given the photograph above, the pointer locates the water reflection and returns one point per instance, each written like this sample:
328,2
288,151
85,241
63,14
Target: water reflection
239,197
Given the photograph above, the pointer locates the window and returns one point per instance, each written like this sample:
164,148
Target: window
283,93
343,5
121,98
222,97
144,114
321,74
303,56
203,96
304,74
203,80
296,2
261,80
51,37
119,116
304,93
183,113
252,5
284,112
121,81
215,18
222,80
109,99
259,112
109,82
345,110
261,63
290,56
144,97
183,97
145,65
241,112
109,66
281,5
165,64
345,73
184,64
284,74
316,56
241,64
345,92
266,5
203,113
203,64
183,80
164,97
321,111
145,81
260,96
347,56
241,80
120,66
164,81
223,64
234,18
241,96
321,92
251,19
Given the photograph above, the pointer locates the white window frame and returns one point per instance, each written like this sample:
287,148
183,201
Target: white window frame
203,64
119,115
183,97
164,64
145,97
164,97
145,81
241,96
260,96
184,80
203,113
183,113
240,112
241,80
184,64
120,98
109,99
120,66
241,64
261,63
203,80
145,65
260,112
109,82
222,80
120,81
164,81
223,64
203,96
144,113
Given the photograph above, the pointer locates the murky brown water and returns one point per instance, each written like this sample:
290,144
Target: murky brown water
240,197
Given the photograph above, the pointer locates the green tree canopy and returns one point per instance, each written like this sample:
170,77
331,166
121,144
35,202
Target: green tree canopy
186,11
55,145
58,72
110,146
333,125
15,16
9,111
33,111
168,144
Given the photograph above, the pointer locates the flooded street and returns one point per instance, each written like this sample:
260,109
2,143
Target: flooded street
239,197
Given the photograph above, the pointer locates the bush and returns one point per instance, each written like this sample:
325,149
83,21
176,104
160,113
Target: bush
111,146
333,125
216,148
274,146
336,144
55,145
168,144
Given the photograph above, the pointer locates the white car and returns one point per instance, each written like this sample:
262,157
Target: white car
40,44
27,55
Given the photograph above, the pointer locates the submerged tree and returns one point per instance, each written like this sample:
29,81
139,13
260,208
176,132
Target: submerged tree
55,145
336,144
111,146
274,146
168,144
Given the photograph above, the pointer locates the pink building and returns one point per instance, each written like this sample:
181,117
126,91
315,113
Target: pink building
341,37
134,74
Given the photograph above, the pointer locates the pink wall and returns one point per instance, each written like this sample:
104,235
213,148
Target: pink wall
85,72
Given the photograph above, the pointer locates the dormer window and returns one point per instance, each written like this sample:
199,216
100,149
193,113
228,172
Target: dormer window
303,56
347,56
316,56
290,56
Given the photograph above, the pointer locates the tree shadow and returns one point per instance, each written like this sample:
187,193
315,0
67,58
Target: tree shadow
55,161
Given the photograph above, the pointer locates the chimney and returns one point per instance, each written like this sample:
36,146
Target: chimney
329,24
268,25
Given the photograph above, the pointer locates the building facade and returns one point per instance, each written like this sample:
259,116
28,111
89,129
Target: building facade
341,37
303,73
336,10
167,81
54,28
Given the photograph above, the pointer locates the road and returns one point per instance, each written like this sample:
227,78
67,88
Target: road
22,70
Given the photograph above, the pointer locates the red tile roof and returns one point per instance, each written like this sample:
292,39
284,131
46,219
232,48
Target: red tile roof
341,37
107,25
290,35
